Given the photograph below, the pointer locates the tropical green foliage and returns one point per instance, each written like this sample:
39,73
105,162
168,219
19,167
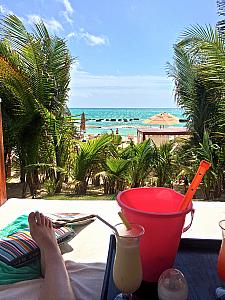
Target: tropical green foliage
89,155
141,157
34,79
199,85
164,164
115,175
199,75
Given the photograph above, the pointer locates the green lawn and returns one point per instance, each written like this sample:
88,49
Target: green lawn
78,197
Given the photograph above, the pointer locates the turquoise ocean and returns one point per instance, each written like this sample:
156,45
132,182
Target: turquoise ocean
127,120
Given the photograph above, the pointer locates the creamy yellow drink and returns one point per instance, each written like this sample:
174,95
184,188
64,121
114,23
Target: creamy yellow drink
127,270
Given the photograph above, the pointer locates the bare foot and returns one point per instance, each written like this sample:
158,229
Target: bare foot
56,283
42,232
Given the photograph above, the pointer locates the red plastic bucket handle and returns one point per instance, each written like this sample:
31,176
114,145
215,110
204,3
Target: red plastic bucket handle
192,216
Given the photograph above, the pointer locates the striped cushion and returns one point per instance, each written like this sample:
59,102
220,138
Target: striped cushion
20,249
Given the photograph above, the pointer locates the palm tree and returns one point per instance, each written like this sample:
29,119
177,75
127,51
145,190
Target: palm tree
34,79
199,74
142,157
89,155
221,11
164,164
214,178
59,154
198,89
115,174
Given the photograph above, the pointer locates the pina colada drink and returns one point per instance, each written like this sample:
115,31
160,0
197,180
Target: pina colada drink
127,270
221,257
221,262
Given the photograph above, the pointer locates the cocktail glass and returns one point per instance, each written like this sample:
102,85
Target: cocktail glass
220,292
221,257
127,269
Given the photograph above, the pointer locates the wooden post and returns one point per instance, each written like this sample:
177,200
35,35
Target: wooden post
3,195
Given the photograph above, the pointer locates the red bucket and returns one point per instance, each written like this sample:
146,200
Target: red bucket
156,210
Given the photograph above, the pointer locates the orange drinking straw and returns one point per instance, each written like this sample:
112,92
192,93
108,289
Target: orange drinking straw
203,167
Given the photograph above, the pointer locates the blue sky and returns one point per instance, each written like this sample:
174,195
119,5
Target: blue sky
122,46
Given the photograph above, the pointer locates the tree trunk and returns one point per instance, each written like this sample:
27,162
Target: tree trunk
81,188
33,182
24,190
59,181
22,169
106,187
96,181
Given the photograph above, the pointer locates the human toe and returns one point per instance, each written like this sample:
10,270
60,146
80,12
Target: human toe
31,218
38,217
43,219
48,222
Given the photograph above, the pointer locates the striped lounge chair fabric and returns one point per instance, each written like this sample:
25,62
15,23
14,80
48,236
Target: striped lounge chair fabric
19,249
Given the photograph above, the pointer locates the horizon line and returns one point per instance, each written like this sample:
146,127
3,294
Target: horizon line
125,107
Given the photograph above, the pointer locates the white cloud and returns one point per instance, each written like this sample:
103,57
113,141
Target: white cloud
84,79
5,11
91,39
76,68
52,24
68,6
68,12
66,16
120,91
71,35
33,19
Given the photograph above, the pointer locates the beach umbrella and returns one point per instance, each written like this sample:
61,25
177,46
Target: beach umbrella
82,122
162,119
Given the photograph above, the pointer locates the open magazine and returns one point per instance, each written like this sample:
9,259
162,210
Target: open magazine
66,219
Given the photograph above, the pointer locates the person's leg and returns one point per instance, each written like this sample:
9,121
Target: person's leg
56,284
